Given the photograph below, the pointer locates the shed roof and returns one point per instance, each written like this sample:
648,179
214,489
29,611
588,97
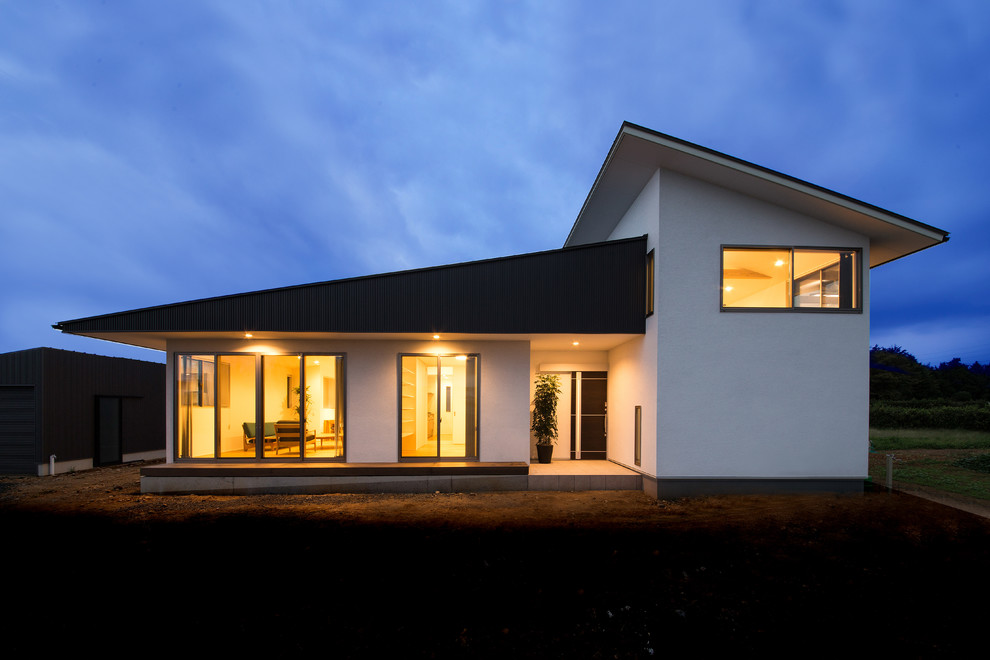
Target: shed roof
596,288
638,152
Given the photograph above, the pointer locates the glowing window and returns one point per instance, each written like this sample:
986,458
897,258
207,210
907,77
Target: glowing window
300,402
790,278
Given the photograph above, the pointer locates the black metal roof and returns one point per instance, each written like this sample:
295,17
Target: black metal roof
597,288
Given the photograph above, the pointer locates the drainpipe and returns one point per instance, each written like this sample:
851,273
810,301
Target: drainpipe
51,465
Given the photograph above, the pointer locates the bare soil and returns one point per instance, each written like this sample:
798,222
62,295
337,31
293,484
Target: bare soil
91,562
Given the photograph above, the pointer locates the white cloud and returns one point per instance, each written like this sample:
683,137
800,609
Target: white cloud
185,143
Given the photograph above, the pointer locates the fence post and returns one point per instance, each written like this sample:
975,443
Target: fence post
890,471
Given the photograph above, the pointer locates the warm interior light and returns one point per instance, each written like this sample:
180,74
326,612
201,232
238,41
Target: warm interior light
728,288
461,357
436,336
575,343
248,335
779,262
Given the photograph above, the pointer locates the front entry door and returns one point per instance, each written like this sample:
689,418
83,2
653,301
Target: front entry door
589,405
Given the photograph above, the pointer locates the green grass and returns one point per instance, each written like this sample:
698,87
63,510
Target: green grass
977,462
951,461
892,439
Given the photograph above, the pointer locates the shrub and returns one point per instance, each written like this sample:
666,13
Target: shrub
973,418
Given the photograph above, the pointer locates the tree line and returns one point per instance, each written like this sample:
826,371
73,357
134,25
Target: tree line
896,375
905,394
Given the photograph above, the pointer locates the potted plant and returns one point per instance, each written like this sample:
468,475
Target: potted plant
305,403
545,415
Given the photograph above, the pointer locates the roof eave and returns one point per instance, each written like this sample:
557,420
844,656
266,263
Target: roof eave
638,152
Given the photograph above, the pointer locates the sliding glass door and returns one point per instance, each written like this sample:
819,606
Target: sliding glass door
438,407
245,406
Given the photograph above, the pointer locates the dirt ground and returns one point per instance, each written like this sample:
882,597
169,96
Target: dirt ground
91,562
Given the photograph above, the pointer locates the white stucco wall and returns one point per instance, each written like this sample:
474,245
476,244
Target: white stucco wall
371,382
632,377
752,394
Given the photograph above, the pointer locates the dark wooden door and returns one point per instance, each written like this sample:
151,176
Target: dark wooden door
589,414
108,430
594,405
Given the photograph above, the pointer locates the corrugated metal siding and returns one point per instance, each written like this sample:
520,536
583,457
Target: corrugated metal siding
72,383
18,429
595,288
20,411
67,384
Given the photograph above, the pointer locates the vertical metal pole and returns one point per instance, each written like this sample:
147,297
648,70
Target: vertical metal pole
890,471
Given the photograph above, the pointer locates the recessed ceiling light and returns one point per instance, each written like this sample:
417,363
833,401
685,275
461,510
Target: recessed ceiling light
436,336
575,343
248,335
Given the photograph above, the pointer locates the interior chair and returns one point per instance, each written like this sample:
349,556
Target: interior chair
287,434
249,434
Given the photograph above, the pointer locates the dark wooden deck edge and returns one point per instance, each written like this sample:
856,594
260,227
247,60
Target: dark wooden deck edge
333,469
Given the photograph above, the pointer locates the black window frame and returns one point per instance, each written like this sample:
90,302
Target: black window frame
259,404
477,409
650,281
790,309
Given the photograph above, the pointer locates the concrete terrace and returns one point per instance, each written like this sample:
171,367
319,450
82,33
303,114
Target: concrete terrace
252,478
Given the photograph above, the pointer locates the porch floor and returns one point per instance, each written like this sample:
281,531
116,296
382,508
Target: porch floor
248,478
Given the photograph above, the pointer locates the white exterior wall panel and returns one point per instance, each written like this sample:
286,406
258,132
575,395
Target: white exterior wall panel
633,365
752,394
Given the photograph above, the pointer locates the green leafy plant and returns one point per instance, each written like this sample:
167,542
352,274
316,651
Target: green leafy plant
545,409
307,401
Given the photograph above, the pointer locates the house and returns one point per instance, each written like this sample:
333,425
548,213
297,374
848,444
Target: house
709,319
63,410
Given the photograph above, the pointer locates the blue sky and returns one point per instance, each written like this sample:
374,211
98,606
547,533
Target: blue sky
153,152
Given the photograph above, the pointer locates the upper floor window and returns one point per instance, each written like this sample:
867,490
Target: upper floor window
791,278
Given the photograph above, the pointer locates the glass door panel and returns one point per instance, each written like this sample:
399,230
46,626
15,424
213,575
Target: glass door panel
196,395
237,399
457,406
418,419
323,403
282,405
438,406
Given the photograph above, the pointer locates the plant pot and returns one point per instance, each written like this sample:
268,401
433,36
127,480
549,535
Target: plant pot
544,452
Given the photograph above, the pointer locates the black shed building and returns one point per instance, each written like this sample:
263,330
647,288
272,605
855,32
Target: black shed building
85,410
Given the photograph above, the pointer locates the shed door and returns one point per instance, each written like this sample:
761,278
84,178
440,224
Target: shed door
108,430
18,432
